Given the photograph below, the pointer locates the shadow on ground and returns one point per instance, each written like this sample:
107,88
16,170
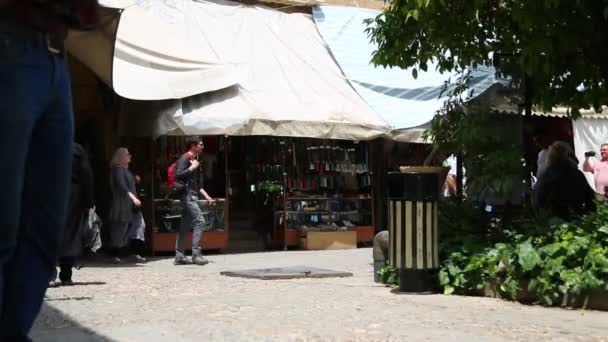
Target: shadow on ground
104,261
78,283
54,326
68,298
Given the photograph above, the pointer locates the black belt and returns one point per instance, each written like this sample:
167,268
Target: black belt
53,45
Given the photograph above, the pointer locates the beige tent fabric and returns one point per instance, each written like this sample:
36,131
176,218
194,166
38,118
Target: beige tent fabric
118,4
288,82
370,4
96,49
143,57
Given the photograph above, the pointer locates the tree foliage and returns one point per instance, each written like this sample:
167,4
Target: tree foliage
559,48
486,142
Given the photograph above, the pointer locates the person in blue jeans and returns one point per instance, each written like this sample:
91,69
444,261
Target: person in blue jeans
186,187
36,133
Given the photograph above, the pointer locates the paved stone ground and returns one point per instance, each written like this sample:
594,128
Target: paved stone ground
161,302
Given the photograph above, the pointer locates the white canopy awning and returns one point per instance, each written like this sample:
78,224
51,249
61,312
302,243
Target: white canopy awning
143,57
288,82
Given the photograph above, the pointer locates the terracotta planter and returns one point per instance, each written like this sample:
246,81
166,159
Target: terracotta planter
595,300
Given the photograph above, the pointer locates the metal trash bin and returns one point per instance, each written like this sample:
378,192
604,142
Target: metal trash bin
413,236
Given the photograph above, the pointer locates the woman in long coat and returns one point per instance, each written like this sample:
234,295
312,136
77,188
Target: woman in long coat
125,218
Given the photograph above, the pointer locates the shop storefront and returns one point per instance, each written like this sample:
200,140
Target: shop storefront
287,147
292,192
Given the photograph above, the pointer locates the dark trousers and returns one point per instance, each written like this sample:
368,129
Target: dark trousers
66,264
36,136
134,247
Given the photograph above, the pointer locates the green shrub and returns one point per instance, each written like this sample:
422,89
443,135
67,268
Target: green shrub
389,275
546,260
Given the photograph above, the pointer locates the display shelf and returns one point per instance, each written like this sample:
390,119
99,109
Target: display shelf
326,221
329,240
168,214
326,185
167,217
309,212
312,198
352,212
364,233
326,212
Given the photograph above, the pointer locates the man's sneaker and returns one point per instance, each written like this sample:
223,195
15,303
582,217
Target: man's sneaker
139,258
199,260
182,261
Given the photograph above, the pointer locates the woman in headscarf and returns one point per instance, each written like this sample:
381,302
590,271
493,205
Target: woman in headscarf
125,218
562,190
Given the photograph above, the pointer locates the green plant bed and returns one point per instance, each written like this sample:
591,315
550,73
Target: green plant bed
530,259
389,275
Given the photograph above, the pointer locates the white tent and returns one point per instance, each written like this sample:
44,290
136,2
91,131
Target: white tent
143,57
288,83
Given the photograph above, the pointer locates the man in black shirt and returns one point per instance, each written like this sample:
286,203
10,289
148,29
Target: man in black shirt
186,171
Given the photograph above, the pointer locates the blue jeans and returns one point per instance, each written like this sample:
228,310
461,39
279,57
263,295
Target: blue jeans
192,217
36,132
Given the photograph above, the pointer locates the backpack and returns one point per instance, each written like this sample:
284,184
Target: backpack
175,189
171,174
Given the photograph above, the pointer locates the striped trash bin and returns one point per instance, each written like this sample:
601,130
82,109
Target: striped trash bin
413,236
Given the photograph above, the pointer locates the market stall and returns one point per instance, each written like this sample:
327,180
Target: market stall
288,90
308,193
327,198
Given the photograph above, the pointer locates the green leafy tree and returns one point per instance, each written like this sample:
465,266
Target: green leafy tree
557,50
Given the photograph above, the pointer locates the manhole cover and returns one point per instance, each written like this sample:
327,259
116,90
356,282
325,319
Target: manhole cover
294,272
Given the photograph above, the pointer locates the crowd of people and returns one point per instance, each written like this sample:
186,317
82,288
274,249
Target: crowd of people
125,221
559,186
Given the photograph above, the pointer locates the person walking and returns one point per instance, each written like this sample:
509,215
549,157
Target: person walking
185,187
126,221
36,133
80,201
